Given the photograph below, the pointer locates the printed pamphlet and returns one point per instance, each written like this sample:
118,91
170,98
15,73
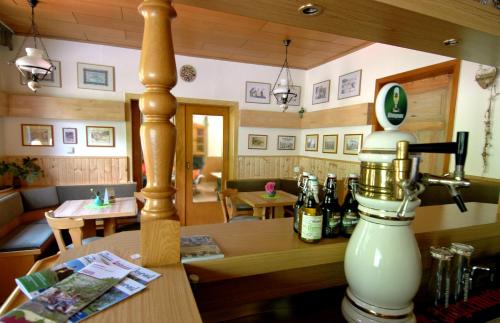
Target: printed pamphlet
198,248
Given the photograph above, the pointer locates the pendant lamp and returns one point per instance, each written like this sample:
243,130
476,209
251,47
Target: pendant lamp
282,89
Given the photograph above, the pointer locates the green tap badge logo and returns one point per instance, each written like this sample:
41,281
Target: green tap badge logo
396,105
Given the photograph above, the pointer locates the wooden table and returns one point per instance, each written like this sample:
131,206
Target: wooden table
260,202
123,207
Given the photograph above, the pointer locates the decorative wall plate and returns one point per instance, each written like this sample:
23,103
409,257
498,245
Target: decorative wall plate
188,73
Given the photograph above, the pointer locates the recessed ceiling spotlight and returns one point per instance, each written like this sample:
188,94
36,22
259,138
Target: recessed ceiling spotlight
310,9
451,42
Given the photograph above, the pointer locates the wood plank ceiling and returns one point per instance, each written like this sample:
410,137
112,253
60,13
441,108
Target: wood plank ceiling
196,31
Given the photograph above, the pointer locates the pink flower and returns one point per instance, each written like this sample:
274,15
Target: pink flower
270,187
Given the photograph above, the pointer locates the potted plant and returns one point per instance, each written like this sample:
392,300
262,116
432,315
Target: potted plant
28,171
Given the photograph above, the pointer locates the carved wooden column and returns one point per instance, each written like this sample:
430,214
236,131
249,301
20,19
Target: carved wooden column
160,228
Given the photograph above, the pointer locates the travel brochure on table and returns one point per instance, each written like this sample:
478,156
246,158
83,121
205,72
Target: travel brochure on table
35,284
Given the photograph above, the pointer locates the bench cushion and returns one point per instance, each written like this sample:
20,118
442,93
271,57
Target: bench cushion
82,192
11,206
30,236
39,198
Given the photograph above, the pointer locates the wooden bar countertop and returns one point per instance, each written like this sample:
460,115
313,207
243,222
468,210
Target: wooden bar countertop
267,252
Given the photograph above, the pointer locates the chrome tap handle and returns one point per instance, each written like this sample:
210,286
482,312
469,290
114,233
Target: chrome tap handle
411,191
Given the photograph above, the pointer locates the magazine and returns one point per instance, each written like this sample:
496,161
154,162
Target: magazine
67,297
198,248
138,273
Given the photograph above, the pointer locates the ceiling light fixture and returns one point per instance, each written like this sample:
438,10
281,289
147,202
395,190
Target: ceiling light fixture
36,65
282,89
310,9
451,42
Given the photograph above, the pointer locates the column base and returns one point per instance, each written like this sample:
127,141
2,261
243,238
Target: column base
355,310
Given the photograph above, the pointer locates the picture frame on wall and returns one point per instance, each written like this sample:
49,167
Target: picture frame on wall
37,134
352,144
286,142
70,136
330,144
257,141
52,79
349,85
311,142
256,92
96,77
321,92
295,101
98,136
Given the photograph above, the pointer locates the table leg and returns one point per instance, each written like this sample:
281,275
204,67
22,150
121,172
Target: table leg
259,212
109,226
279,212
88,229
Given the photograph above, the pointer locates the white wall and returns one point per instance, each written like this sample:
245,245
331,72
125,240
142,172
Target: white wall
14,147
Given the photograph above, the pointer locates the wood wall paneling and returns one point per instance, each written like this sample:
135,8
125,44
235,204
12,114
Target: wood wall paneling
269,119
46,107
3,104
79,170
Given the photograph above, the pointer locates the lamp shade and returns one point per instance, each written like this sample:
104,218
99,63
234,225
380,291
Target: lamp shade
34,62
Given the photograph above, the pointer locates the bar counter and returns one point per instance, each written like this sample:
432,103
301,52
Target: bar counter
264,260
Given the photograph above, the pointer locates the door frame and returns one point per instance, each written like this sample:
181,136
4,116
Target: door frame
451,67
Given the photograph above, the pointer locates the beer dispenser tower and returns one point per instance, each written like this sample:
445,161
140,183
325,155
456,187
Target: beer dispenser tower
382,262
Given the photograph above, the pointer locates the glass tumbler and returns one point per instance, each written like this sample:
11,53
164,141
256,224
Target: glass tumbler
460,271
439,282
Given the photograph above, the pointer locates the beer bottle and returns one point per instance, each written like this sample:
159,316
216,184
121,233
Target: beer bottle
350,215
311,220
301,183
330,207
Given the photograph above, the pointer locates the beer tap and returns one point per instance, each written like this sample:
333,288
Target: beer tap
457,179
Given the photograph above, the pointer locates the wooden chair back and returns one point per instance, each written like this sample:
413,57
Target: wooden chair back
74,226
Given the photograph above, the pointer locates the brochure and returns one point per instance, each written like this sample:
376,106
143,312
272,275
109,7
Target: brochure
138,273
198,248
67,297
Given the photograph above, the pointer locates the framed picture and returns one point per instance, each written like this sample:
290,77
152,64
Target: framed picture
53,79
70,136
100,136
296,100
330,144
257,142
286,142
352,143
321,92
349,85
96,77
311,143
258,92
37,135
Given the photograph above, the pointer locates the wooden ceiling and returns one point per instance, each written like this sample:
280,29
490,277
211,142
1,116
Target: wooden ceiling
196,31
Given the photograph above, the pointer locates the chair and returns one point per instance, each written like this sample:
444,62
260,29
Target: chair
74,226
227,200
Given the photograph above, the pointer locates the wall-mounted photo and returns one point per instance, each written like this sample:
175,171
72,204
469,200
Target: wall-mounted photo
352,143
53,79
321,92
295,101
349,85
286,142
258,92
96,77
70,136
100,136
257,142
330,144
37,135
311,143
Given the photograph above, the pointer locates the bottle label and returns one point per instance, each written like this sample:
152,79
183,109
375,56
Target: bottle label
349,221
333,219
311,226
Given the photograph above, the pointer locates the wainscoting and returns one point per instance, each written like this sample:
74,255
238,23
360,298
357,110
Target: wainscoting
62,170
282,166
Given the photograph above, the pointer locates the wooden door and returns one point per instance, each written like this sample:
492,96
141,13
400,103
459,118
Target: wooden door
206,164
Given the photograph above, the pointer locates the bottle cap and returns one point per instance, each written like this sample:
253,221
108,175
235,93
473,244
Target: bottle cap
313,178
332,175
305,174
462,249
353,176
441,253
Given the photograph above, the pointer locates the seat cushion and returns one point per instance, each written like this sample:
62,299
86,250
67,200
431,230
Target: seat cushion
82,192
39,198
244,218
242,206
11,206
30,236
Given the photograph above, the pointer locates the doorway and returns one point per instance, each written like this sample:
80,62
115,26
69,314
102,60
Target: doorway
203,162
432,93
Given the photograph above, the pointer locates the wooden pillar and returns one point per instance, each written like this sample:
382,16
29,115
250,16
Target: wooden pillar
160,228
